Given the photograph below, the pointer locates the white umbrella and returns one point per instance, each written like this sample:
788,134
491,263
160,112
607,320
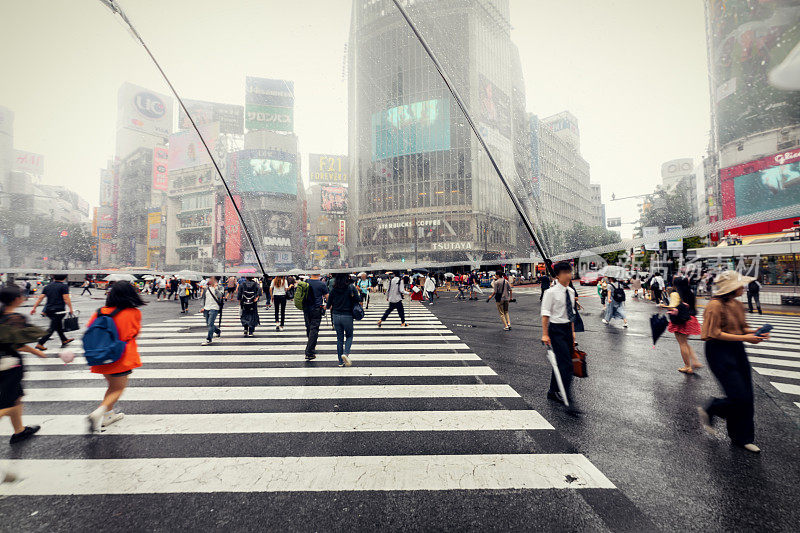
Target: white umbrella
189,275
120,277
148,277
551,356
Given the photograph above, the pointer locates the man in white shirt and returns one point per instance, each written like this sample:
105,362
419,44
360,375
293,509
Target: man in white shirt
558,330
212,306
657,286
394,295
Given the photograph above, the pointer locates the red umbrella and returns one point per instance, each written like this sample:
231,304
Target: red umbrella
247,271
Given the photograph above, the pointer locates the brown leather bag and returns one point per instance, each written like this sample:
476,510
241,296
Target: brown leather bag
579,363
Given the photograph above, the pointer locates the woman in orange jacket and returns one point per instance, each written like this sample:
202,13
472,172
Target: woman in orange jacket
122,296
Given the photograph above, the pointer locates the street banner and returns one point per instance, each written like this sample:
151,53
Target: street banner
649,232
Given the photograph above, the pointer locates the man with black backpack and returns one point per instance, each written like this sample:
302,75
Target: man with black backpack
313,308
394,295
249,293
615,307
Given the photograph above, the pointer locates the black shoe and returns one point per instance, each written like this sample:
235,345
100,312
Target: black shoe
25,434
555,397
572,410
309,357
66,342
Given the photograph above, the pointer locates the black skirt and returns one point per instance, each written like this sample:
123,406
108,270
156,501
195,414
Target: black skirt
10,387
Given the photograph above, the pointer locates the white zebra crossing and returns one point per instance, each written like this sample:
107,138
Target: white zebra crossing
423,363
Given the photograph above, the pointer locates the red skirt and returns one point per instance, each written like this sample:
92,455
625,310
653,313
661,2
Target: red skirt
690,327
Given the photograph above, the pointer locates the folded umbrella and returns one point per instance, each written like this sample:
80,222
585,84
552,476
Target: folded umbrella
551,356
658,324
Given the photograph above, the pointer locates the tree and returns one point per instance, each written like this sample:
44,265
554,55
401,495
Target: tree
664,208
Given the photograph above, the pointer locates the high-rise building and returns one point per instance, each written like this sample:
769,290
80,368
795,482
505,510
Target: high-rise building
598,207
144,125
755,126
422,188
561,175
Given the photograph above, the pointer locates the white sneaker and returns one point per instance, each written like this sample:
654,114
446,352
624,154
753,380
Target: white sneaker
605,321
346,360
95,419
625,325
752,448
205,343
112,417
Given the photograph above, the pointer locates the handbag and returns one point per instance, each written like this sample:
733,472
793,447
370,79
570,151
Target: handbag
71,322
358,311
579,363
681,316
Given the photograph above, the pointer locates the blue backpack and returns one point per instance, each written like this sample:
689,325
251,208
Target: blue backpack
101,344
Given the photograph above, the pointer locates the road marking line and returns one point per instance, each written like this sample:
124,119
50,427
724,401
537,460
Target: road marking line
288,474
303,422
777,372
315,392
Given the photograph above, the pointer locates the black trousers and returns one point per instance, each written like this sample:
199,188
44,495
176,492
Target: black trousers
57,325
754,296
280,307
400,311
563,342
657,296
86,289
728,362
313,319
184,303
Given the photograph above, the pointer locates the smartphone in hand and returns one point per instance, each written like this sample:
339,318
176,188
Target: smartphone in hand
766,328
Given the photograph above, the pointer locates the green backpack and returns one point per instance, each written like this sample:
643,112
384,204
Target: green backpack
301,291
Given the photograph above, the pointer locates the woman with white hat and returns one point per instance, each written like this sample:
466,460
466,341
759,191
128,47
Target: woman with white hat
725,331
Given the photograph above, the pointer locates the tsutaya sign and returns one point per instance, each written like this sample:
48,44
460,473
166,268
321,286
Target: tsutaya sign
451,246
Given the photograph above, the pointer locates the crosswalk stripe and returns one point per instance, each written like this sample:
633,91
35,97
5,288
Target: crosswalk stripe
287,340
233,357
304,422
253,373
774,361
81,394
788,388
296,348
777,372
288,474
767,351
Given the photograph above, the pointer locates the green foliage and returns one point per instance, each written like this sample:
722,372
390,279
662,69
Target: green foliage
579,236
667,209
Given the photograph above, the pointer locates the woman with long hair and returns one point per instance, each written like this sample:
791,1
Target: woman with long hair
725,331
123,301
15,333
683,322
341,300
277,293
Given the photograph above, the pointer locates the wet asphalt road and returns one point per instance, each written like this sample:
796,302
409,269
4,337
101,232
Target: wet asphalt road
640,425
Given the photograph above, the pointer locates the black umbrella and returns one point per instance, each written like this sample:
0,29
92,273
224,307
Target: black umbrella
658,324
420,270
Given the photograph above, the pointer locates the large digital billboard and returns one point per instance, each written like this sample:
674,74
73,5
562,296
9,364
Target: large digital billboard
760,185
334,199
275,229
748,39
327,168
229,116
266,171
495,106
411,129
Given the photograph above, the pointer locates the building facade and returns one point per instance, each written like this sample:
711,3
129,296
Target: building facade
563,188
422,188
681,175
755,126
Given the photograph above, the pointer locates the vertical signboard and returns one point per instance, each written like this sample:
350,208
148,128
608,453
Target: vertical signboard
649,232
233,231
342,232
674,244
160,163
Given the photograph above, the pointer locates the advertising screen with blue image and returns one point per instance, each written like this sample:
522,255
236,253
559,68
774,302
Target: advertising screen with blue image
411,129
766,189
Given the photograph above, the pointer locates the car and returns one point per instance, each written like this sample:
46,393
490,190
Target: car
591,278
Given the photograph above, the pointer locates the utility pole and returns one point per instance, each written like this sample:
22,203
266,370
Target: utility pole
416,236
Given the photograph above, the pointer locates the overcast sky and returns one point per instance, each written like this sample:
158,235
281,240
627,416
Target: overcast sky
632,71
